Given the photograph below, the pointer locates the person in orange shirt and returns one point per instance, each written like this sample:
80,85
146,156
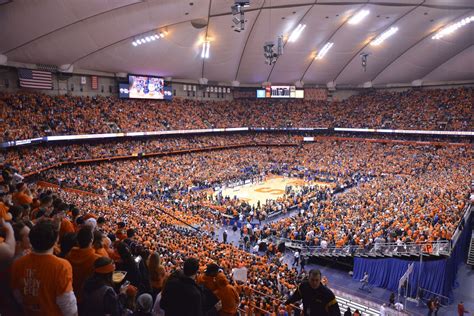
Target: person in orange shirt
120,233
157,273
42,282
23,196
99,245
228,296
210,276
82,259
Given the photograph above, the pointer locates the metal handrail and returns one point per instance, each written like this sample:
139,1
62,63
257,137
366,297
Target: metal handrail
444,300
457,233
441,247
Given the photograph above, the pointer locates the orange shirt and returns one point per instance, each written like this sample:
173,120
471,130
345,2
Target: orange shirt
21,198
82,262
228,296
102,252
40,280
66,227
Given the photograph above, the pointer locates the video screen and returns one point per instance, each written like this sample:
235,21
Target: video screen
123,90
260,93
168,91
144,87
280,92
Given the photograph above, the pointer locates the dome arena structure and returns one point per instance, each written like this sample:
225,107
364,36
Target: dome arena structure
236,157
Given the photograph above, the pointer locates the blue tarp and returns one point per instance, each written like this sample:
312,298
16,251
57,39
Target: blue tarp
438,276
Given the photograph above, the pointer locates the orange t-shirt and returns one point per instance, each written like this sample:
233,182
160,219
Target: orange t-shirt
82,262
66,227
21,198
40,280
102,252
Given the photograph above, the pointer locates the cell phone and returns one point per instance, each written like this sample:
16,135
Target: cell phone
138,259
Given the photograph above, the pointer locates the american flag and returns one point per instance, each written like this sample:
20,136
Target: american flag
35,79
94,83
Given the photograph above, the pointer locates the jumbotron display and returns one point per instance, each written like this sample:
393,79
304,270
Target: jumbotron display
280,92
144,87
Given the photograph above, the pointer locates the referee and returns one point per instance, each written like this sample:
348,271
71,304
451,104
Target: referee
318,300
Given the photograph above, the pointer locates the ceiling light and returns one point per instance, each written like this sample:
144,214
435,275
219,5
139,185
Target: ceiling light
134,43
296,33
139,42
205,49
384,36
453,27
324,51
153,38
162,34
148,38
359,16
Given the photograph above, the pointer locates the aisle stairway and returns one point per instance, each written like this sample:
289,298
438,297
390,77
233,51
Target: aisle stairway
470,258
344,303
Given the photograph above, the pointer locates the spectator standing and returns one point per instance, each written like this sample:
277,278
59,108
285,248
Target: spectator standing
82,259
99,297
461,310
42,282
318,300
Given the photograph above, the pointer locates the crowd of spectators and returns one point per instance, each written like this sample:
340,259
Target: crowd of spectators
34,158
27,115
147,210
149,215
421,190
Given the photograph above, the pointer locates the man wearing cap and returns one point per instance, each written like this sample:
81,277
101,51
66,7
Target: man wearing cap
318,300
99,297
210,276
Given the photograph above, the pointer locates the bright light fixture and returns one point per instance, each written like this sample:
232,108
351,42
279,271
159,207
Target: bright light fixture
384,36
148,38
296,33
324,50
359,16
453,27
205,49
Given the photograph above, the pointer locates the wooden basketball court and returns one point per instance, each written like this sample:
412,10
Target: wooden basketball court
271,188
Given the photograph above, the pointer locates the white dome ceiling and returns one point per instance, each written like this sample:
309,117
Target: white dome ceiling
98,35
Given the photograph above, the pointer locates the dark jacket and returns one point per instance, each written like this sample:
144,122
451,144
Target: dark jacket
99,299
316,302
182,296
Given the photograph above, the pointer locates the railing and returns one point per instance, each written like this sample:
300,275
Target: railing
465,218
50,139
437,248
425,295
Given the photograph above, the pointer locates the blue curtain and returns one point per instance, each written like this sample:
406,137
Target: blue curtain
438,276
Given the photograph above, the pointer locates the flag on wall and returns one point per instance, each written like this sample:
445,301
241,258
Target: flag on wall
35,79
94,83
